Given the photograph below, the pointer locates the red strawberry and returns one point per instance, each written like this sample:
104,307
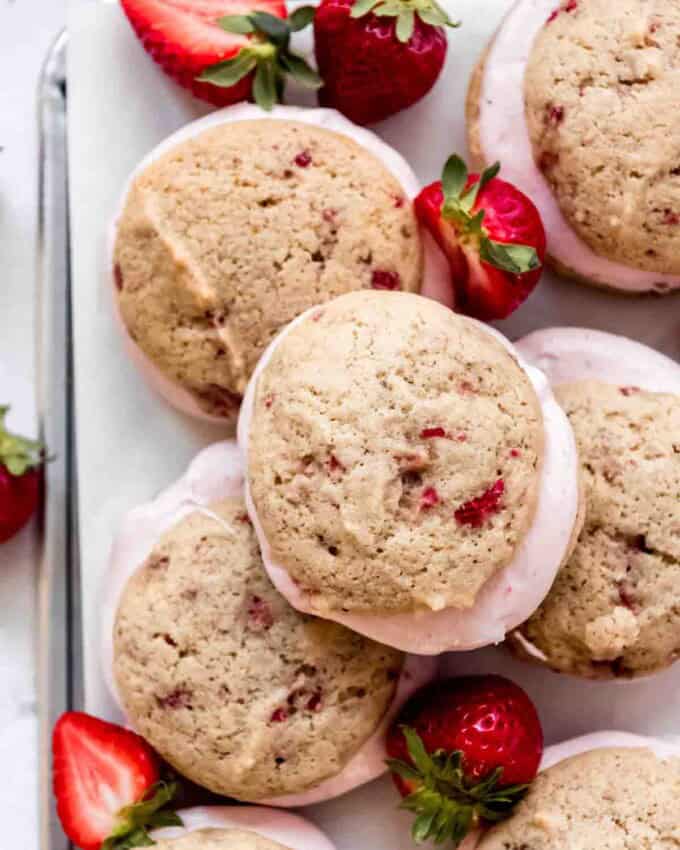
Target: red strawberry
106,784
492,235
20,479
224,51
462,753
377,57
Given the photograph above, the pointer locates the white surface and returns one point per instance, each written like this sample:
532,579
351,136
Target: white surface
215,474
509,597
26,31
132,446
505,136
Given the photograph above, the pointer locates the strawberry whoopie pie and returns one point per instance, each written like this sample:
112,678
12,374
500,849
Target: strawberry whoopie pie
240,828
408,475
240,222
199,646
614,608
609,790
576,98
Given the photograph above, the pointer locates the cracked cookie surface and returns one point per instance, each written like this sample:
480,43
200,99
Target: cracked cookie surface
233,233
614,609
609,799
394,455
234,688
600,89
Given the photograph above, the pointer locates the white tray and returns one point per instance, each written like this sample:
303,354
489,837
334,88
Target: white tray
131,445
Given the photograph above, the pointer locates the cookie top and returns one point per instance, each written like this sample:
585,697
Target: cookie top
234,232
219,839
234,688
394,453
614,609
612,799
599,86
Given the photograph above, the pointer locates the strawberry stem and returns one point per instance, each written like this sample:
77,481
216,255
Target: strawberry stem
446,804
17,454
268,56
135,821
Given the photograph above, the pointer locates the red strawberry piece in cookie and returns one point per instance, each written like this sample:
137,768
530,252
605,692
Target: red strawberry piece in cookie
462,753
491,234
224,51
378,57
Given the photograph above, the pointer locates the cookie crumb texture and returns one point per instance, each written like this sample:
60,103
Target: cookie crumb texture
233,233
601,94
614,609
219,839
611,799
394,455
235,689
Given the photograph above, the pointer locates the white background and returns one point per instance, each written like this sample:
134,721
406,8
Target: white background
27,28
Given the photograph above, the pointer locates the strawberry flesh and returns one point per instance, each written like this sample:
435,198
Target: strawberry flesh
183,37
510,217
99,769
368,73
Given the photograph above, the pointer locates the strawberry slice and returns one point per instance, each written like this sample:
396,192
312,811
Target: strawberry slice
463,752
21,463
224,51
106,784
491,234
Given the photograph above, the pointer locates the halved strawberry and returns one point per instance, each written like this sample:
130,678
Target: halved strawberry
224,51
491,234
106,784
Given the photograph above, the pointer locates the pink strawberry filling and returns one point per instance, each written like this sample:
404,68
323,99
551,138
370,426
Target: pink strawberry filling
475,512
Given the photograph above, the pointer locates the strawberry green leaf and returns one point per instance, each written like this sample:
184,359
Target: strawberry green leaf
405,24
432,13
232,71
301,18
416,750
515,259
389,9
363,7
239,24
133,822
404,770
469,199
454,178
276,29
18,454
265,88
300,71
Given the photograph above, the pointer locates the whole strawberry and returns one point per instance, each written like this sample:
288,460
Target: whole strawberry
224,51
106,785
377,57
491,234
463,752
21,463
